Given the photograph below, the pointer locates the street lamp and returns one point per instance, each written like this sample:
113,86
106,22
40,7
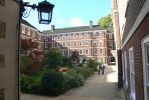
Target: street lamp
44,9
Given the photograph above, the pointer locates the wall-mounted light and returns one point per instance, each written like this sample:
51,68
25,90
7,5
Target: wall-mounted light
44,8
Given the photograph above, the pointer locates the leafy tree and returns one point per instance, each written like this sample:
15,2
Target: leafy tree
106,22
75,57
53,58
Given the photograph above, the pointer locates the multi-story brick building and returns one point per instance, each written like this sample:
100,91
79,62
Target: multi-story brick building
31,37
133,16
90,41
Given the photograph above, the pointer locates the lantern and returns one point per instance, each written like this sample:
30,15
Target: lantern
45,10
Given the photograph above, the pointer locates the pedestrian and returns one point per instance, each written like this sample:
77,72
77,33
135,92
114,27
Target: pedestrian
102,68
99,69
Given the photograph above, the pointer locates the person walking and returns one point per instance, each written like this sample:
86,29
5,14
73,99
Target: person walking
102,68
99,69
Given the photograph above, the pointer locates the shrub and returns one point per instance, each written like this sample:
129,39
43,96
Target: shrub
52,83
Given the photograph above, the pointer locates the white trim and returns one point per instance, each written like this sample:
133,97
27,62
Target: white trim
145,40
144,11
132,74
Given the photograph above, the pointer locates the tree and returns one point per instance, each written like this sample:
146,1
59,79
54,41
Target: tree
106,22
75,57
53,58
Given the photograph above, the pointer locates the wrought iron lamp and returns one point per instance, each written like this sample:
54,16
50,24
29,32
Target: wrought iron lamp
44,8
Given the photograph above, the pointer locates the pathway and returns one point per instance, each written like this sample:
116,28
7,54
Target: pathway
97,87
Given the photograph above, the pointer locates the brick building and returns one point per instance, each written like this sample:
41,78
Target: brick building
133,17
90,41
9,51
31,37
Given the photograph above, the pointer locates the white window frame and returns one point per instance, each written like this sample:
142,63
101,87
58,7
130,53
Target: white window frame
95,51
86,43
80,43
86,35
74,44
58,44
69,36
132,74
94,43
86,52
94,34
63,36
80,35
58,37
81,52
126,69
28,32
74,35
100,34
145,43
46,45
52,37
100,42
63,44
46,38
23,29
33,34
69,44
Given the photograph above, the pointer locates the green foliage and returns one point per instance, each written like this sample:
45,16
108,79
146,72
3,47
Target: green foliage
67,62
29,65
53,58
52,83
92,64
106,22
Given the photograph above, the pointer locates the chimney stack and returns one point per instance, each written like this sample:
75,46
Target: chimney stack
52,28
91,24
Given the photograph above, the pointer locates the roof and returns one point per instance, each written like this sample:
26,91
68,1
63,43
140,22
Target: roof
76,29
28,24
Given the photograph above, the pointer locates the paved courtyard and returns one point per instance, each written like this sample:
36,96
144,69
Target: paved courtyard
97,87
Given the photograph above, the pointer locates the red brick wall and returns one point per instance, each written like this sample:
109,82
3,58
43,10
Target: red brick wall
135,42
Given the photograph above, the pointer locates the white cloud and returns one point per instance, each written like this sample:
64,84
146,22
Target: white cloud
61,20
76,21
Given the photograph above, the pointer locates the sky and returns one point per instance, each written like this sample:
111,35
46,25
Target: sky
71,13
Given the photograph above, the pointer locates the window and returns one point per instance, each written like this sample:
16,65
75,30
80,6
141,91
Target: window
75,43
46,38
145,53
86,35
100,34
86,43
53,45
74,36
69,44
100,42
94,34
52,37
63,37
95,51
69,36
86,52
81,43
132,74
101,51
33,34
125,65
110,36
28,32
46,45
80,35
63,44
81,52
58,37
23,30
58,44
39,37
94,43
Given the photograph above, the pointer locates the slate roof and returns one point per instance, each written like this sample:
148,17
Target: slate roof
76,29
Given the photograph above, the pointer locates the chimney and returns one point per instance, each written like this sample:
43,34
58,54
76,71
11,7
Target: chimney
52,28
91,24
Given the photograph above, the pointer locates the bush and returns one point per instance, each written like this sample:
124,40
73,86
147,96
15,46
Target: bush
52,83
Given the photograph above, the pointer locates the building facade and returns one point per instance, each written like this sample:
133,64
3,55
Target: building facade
134,39
90,41
32,40
9,40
